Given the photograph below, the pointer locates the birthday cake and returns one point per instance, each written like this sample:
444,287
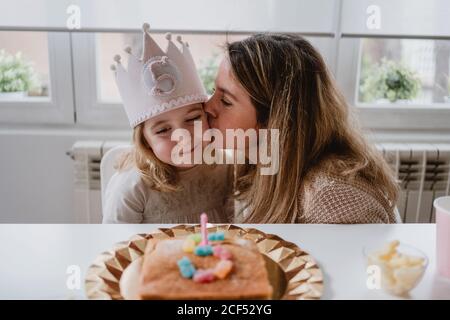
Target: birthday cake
203,266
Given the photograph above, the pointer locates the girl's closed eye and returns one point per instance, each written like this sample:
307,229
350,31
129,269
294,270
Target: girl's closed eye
192,119
161,131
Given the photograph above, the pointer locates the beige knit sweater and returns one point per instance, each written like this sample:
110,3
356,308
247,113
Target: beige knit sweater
333,199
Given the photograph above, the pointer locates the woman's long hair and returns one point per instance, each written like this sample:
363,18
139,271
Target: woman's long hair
292,90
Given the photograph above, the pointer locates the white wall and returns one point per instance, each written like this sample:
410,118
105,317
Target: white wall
200,15
36,174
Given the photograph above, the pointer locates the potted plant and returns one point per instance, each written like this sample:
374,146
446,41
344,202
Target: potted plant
208,72
389,82
17,76
447,97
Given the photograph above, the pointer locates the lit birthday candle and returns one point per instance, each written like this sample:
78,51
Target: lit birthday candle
204,230
203,249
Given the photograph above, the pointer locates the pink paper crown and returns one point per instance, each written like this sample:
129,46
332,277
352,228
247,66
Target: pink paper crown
159,81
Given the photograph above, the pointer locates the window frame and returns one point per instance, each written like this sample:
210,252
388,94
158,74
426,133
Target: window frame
389,116
91,111
58,108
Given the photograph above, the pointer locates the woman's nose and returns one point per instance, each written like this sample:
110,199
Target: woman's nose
210,108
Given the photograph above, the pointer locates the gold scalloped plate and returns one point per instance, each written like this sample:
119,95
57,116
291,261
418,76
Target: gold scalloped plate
293,273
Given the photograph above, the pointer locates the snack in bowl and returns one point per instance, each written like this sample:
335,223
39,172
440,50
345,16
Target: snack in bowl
203,266
401,267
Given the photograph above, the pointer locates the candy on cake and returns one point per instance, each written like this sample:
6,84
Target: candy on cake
203,266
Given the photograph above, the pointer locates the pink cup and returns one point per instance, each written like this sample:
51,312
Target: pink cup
442,206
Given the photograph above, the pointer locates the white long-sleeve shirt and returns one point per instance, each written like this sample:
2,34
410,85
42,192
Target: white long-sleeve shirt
205,188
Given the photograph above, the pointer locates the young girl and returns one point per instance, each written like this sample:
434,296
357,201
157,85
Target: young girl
162,92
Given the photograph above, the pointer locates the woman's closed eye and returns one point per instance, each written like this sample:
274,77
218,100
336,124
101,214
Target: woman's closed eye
225,102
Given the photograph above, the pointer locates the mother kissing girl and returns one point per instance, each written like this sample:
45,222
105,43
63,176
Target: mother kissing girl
327,172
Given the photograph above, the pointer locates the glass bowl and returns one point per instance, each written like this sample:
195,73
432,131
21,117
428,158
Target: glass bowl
400,273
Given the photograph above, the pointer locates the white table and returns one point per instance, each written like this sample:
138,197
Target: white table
34,258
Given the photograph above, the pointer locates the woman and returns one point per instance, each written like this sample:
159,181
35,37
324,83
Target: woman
327,172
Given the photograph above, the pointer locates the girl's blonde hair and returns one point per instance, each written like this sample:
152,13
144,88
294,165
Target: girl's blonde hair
292,90
155,173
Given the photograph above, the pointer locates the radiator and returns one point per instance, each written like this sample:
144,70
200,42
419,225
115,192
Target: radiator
86,157
422,171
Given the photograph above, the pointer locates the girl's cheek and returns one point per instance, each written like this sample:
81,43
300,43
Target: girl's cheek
163,151
148,138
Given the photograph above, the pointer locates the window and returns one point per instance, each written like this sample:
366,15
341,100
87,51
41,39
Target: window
24,65
404,72
98,99
205,49
107,45
396,83
393,64
35,77
97,93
